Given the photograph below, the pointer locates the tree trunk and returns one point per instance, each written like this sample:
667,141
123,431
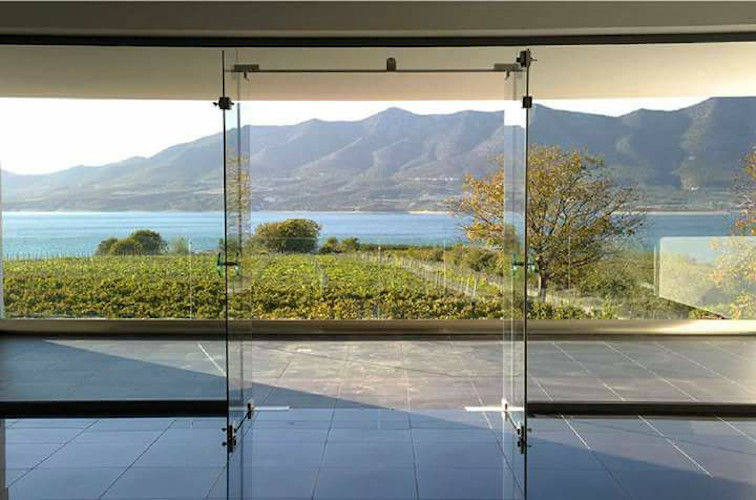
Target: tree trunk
542,281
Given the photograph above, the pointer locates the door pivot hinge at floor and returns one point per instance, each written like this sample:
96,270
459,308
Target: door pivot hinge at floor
224,103
230,442
522,438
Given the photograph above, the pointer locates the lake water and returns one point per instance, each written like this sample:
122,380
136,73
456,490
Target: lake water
44,234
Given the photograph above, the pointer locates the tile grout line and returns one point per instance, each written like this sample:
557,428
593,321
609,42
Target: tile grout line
62,445
321,466
126,469
409,422
663,379
697,363
727,351
589,372
738,430
616,481
675,446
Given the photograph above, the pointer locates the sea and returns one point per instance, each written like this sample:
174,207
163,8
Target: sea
27,234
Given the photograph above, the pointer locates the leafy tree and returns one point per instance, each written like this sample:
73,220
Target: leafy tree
141,242
575,212
288,236
746,192
105,245
150,241
127,246
735,271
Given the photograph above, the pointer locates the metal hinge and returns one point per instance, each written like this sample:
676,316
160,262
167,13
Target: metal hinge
527,102
525,58
224,103
522,438
230,442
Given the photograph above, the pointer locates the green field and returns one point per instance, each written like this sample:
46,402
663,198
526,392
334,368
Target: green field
396,284
271,287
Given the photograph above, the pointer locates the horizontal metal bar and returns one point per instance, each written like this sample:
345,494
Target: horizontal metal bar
376,41
114,408
374,71
645,408
321,329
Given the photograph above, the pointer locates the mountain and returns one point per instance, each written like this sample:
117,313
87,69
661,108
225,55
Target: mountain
397,160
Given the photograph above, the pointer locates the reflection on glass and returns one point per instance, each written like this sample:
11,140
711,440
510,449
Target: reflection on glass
712,274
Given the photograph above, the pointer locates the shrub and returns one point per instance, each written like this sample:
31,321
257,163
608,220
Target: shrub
127,246
150,241
288,236
105,245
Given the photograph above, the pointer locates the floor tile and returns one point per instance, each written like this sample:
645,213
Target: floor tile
40,435
53,423
469,484
471,435
366,483
95,455
164,482
273,454
369,435
11,475
663,484
278,434
565,484
459,455
278,482
27,455
104,437
68,483
376,454
132,424
183,454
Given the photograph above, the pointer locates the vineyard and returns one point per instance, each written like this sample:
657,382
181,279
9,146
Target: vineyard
294,286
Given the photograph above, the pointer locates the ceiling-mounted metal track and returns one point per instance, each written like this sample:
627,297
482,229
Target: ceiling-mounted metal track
391,67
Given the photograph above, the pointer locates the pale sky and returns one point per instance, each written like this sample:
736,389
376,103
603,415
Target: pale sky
46,135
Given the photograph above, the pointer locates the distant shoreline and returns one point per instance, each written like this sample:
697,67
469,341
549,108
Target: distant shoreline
410,212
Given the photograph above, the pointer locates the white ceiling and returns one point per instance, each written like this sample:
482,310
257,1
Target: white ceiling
559,72
365,18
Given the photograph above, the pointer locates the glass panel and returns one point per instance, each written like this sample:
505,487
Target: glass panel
515,261
111,230
235,267
377,304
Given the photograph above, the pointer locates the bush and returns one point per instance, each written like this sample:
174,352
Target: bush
333,245
141,242
105,245
150,241
289,236
545,310
127,246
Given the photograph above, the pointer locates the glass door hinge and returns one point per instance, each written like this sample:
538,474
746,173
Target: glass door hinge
527,102
230,442
224,103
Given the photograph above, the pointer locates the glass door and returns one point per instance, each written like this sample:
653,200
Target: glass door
515,198
233,265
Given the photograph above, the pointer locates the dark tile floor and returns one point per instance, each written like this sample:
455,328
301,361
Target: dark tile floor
400,374
374,453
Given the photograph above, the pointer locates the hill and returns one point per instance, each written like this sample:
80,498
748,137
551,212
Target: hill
397,160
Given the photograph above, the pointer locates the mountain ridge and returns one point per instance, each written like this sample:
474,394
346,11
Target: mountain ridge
399,160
